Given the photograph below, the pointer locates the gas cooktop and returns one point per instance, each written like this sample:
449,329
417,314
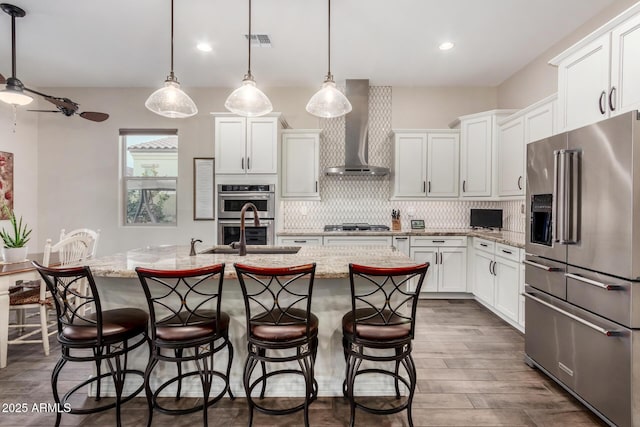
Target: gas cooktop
356,227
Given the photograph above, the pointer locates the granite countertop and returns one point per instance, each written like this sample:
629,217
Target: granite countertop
510,238
331,261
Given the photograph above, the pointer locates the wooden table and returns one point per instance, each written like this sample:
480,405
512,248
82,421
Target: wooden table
9,274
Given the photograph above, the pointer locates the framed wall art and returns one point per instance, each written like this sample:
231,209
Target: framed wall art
6,184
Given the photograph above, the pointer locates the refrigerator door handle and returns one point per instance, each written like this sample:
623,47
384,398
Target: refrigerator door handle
592,282
596,328
557,201
573,198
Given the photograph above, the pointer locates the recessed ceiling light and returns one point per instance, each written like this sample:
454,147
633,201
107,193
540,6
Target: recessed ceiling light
204,47
446,46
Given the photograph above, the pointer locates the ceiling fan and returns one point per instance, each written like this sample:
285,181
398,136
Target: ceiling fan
14,92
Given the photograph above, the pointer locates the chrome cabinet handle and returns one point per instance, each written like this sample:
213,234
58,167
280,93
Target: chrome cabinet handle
493,270
424,186
299,241
429,187
248,163
490,265
316,186
484,245
601,102
592,282
540,266
612,104
401,238
437,241
242,162
464,186
519,183
596,328
506,252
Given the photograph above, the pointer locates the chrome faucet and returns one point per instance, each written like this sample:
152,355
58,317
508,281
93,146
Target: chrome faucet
242,244
193,246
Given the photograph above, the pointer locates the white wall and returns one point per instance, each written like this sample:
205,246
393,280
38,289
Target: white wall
21,140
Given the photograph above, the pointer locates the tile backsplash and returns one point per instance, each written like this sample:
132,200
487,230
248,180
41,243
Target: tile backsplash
366,199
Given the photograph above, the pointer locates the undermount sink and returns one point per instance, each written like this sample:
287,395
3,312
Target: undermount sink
253,250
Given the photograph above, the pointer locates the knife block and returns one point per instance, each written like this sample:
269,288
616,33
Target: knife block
395,225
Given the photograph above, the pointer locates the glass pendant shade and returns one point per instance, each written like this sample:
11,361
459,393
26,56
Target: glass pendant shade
328,102
248,100
170,101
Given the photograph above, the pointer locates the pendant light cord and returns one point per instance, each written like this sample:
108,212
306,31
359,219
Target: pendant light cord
329,37
249,70
171,38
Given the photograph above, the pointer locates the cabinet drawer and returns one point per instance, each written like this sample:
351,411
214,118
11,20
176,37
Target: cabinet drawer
483,245
508,252
300,240
357,240
438,241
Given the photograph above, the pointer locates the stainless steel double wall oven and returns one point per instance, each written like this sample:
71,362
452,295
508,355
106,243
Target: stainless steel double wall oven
231,199
582,266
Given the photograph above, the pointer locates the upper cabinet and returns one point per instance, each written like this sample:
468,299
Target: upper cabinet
478,152
514,133
246,145
300,155
597,77
425,163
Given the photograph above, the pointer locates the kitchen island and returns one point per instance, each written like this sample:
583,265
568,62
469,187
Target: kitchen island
118,286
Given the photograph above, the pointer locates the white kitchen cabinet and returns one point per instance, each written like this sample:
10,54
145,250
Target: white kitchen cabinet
443,158
497,281
478,153
539,119
300,240
246,145
447,258
300,153
597,77
426,163
401,243
357,240
511,157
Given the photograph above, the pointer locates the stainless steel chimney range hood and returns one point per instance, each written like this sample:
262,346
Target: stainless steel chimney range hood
357,135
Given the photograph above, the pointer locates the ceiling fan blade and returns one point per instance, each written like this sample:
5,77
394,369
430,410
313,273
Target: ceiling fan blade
58,102
94,116
45,111
2,80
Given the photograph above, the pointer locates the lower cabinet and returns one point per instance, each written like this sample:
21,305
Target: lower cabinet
447,264
497,279
300,240
401,243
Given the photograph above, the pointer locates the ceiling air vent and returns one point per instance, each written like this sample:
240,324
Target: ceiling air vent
259,40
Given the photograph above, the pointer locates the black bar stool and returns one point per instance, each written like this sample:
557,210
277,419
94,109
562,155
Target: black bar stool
188,324
279,318
82,325
382,317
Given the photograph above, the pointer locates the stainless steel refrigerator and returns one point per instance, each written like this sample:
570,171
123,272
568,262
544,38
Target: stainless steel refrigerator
582,265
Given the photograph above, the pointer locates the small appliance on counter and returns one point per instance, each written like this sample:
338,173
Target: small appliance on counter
395,220
486,218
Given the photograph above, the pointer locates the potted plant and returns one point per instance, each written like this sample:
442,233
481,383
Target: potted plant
15,240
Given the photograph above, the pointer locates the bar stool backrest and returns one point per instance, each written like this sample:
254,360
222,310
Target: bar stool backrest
80,309
179,298
277,296
381,295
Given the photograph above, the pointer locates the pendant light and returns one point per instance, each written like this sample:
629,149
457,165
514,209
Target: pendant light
329,102
13,93
248,100
170,101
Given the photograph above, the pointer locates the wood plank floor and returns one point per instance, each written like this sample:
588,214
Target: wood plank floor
470,373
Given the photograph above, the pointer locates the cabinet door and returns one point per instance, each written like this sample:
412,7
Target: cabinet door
230,141
443,157
483,277
300,164
429,255
511,158
507,288
410,165
475,158
262,145
625,66
453,270
538,123
401,243
583,85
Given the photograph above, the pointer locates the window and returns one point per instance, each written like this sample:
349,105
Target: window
150,176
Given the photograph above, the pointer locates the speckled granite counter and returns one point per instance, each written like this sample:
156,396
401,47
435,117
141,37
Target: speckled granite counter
118,286
332,262
511,238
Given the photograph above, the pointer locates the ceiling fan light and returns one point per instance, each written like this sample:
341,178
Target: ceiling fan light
328,102
15,97
248,100
171,101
